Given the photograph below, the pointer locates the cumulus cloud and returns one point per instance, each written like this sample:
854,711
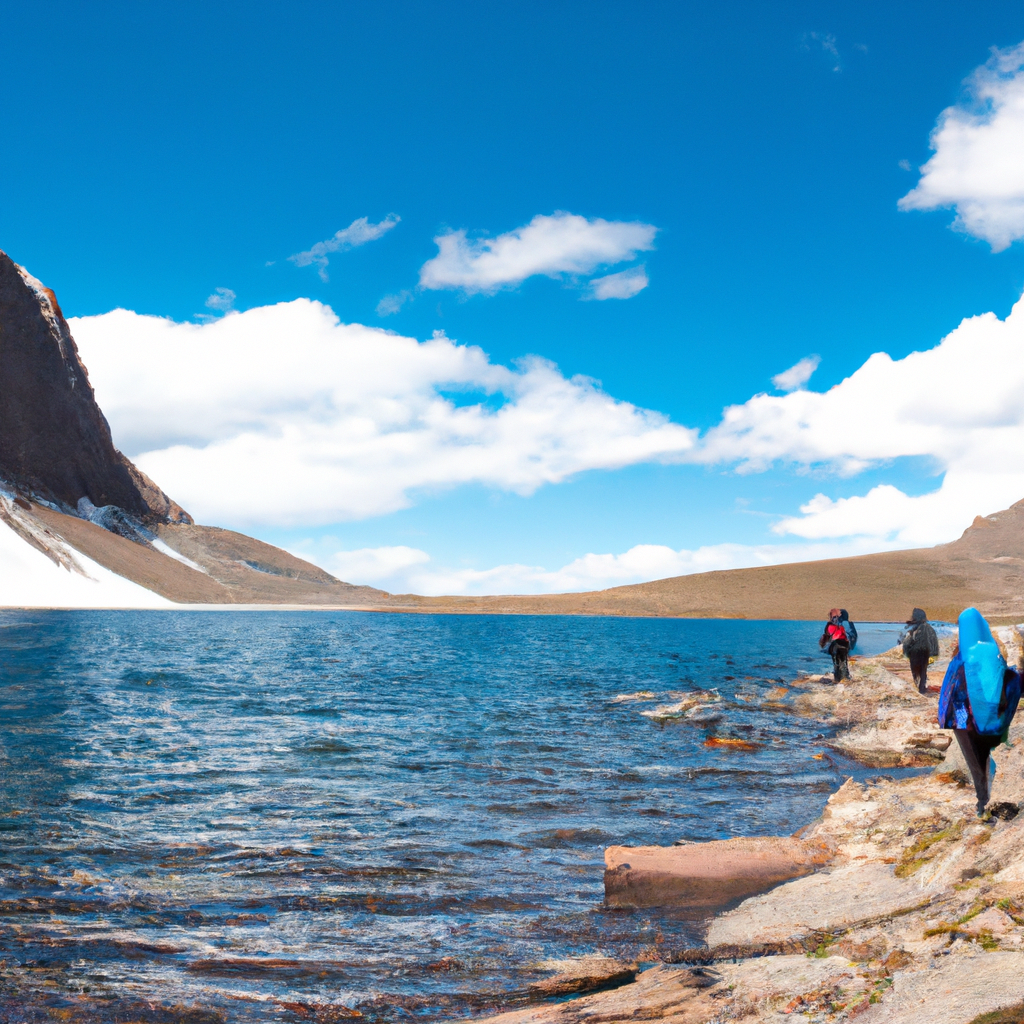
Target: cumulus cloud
797,375
563,243
958,406
283,415
978,163
623,285
359,232
404,570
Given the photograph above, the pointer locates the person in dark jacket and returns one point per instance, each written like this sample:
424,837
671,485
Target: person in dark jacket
920,644
838,644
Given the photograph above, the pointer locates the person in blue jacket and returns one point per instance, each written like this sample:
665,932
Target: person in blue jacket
979,698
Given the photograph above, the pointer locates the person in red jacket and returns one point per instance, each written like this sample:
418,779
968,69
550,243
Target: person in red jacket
838,645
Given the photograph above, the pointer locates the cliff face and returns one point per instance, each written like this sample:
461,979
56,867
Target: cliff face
55,443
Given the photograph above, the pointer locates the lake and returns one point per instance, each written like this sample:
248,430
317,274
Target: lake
399,814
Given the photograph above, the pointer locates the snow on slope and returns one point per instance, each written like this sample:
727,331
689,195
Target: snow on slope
28,579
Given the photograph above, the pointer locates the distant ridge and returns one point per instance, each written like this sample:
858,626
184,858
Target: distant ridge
984,568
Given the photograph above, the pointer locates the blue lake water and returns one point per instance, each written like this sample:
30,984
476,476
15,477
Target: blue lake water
254,812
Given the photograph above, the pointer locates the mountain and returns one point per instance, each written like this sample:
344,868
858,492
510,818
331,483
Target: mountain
66,491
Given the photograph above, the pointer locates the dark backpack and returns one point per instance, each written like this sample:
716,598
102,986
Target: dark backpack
851,633
921,640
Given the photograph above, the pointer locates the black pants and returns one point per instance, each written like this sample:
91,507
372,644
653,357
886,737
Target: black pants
976,750
919,669
840,651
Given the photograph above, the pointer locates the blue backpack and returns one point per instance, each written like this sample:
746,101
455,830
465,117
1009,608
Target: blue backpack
980,674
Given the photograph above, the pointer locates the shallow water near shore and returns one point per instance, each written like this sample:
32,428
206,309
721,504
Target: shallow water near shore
256,811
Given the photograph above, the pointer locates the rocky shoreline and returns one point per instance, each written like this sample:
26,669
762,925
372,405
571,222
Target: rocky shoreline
898,905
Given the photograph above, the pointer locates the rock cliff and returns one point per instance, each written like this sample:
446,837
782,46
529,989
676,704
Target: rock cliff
55,443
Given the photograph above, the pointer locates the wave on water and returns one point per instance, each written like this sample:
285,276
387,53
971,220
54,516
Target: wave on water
289,816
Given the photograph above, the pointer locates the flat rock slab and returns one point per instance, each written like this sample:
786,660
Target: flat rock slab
753,982
585,974
672,995
961,989
833,900
703,876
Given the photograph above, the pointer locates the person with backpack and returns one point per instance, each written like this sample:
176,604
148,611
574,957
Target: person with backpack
920,644
838,644
979,698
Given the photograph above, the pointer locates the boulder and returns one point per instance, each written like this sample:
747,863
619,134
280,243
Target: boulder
584,974
706,876
670,994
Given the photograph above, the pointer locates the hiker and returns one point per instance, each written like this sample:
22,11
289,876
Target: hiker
851,629
979,697
920,645
838,644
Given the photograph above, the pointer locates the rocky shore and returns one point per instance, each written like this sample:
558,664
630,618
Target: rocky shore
898,905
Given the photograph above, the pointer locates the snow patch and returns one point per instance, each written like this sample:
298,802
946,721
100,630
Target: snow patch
30,579
166,549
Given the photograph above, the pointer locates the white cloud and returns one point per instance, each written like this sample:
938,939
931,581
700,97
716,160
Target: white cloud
374,566
282,414
623,285
797,375
359,232
563,243
391,304
978,166
957,405
221,300
403,570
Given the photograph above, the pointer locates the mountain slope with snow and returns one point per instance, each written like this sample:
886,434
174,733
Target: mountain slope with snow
29,578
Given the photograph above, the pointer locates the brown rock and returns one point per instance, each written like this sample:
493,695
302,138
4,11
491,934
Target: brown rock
587,974
992,921
704,876
873,948
55,443
672,995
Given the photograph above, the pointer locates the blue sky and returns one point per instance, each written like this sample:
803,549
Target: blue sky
157,153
